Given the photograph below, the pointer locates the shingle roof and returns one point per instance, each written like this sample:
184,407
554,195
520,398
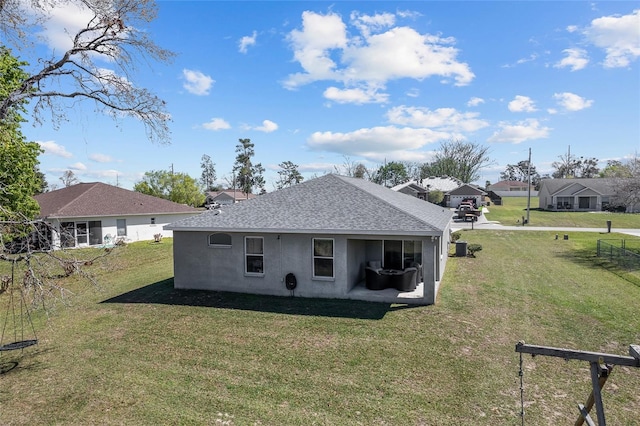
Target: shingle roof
99,199
328,204
604,186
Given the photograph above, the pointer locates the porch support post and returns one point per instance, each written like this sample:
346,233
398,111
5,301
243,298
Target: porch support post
428,270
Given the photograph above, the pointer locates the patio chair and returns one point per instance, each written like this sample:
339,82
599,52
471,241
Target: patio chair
408,281
374,279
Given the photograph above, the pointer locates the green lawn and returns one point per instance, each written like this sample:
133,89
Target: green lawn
135,351
513,209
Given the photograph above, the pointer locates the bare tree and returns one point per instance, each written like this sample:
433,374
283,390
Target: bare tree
459,159
352,169
114,34
36,269
68,178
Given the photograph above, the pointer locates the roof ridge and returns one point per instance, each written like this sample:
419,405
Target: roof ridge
393,206
82,194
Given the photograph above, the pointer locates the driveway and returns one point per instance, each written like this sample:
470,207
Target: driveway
483,223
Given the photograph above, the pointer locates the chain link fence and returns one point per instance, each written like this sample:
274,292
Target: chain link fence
622,252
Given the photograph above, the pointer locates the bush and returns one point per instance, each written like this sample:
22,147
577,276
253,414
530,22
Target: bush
455,236
473,248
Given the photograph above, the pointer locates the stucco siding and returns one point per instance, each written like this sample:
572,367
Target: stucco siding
199,266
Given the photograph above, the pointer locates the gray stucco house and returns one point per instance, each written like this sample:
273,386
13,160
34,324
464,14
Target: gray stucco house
324,232
593,194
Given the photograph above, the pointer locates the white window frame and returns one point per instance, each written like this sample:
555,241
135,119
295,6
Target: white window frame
332,257
246,256
216,245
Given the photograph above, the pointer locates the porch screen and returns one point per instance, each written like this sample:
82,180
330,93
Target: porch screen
67,234
392,254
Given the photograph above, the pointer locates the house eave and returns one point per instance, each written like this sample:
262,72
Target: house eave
61,217
426,233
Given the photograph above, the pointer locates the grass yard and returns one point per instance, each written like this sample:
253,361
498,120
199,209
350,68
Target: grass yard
514,208
136,351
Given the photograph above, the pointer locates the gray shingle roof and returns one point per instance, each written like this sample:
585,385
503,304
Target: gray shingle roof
99,199
604,186
329,204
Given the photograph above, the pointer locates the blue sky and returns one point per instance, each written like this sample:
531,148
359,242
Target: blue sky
317,83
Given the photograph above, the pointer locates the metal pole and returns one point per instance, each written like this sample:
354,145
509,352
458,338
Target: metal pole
528,185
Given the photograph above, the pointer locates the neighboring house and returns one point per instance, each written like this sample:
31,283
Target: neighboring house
510,186
90,214
454,198
413,189
593,194
226,197
319,234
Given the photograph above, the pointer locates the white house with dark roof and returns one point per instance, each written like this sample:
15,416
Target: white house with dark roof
454,197
315,239
90,214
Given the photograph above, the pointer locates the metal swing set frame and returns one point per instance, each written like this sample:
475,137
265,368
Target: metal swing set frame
17,319
601,366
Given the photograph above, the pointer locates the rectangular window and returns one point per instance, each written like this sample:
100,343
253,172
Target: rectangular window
122,227
153,220
95,232
323,258
254,255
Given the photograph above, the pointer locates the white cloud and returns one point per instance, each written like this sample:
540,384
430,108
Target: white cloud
355,96
377,142
442,118
376,23
100,158
268,126
571,101
619,36
63,22
52,148
529,129
521,61
78,166
576,59
522,104
327,51
413,93
475,102
216,124
247,41
197,82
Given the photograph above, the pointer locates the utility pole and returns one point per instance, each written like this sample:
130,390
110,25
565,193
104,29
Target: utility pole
528,185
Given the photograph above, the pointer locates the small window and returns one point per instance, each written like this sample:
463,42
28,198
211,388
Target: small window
254,255
121,224
323,258
153,220
220,240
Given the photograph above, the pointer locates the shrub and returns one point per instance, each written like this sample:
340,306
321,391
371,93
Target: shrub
473,248
455,236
